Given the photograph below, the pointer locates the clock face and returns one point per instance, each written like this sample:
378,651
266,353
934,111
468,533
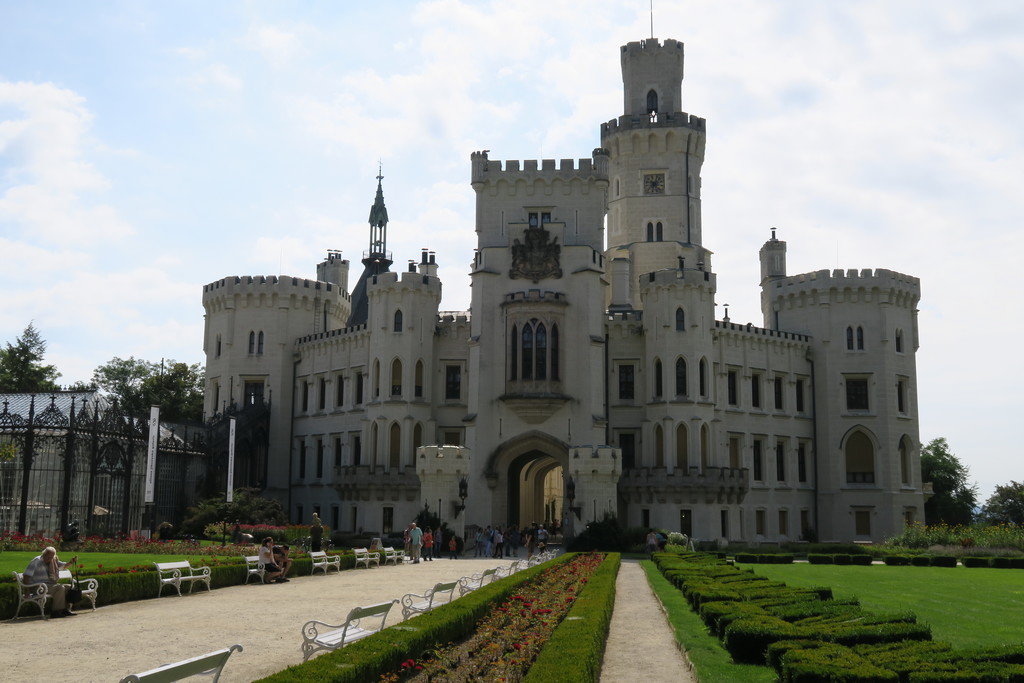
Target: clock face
654,183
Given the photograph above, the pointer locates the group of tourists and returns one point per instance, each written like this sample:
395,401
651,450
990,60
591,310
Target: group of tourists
497,541
427,544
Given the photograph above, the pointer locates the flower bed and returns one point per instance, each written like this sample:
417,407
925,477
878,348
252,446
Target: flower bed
512,634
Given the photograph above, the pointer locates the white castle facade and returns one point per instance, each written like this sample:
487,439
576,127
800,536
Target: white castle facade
590,375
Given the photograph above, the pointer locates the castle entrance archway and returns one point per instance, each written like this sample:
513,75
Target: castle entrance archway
535,489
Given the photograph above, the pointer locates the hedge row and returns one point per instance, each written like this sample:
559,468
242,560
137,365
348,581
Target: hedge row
143,585
764,558
839,558
576,648
370,658
807,636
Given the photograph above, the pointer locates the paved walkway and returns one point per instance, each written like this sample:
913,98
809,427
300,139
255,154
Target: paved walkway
641,644
131,637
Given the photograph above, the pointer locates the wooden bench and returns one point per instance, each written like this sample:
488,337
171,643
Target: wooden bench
253,567
209,665
395,557
365,557
361,622
440,594
323,561
173,573
89,587
471,583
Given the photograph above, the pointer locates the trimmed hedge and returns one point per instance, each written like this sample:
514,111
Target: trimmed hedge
576,648
921,561
897,560
817,558
944,561
976,561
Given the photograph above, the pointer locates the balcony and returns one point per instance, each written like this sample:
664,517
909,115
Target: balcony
359,482
710,485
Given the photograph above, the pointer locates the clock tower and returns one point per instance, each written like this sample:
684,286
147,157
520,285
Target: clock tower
655,156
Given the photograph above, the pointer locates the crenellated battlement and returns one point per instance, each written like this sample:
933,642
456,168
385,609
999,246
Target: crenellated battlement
405,280
330,334
755,331
486,170
669,277
534,296
662,120
267,284
905,288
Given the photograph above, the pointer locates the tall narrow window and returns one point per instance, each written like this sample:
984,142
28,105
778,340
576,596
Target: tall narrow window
901,396
626,380
780,462
394,447
302,460
337,452
778,393
650,232
680,377
453,382
652,102
755,391
758,461
513,372
659,446
527,352
418,382
860,338
252,342
554,352
682,447
703,372
322,394
396,377
542,352
376,379
680,320
801,463
319,459
339,399
849,339
899,341
731,387
799,396
357,449
305,396
657,379
218,346
659,234
905,461
259,342
359,388
398,320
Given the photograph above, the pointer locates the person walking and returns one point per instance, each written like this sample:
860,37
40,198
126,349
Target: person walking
415,542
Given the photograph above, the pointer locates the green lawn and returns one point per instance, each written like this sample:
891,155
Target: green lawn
964,607
17,560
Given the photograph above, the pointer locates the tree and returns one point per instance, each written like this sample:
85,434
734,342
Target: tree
138,384
954,497
1005,505
22,368
248,507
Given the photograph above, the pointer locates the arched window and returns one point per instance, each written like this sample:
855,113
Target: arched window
418,383
376,379
860,459
860,338
259,342
527,352
652,102
394,447
657,379
680,320
659,446
513,371
849,339
396,377
681,377
659,234
650,232
554,352
252,342
398,320
905,461
703,371
542,352
682,447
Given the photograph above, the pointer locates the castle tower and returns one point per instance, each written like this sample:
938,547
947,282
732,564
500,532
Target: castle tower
655,156
376,260
773,267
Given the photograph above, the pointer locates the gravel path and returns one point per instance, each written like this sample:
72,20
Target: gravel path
641,644
131,637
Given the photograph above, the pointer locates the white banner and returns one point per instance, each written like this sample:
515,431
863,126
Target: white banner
154,438
231,460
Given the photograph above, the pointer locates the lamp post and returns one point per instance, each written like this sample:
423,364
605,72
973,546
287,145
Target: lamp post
570,493
463,494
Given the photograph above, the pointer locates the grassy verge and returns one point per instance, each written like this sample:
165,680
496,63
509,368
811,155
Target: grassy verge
711,662
964,607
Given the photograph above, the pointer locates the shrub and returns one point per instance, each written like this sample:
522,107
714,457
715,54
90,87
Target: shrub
897,560
944,561
861,560
842,558
818,558
921,560
976,561
1001,562
746,558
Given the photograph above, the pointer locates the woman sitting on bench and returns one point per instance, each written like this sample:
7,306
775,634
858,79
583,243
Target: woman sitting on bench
272,571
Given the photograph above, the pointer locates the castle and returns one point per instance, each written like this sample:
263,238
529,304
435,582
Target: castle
590,375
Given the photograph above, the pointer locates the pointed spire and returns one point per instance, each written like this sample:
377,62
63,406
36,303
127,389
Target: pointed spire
379,212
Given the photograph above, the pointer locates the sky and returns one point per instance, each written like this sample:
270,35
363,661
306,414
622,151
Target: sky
148,148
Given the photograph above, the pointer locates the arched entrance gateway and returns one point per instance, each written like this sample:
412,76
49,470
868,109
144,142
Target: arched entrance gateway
527,476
